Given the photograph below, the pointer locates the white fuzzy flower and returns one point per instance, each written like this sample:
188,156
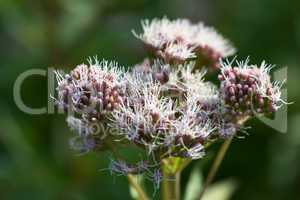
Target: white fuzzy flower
179,40
160,122
146,116
159,32
191,131
190,78
208,37
182,79
178,51
194,123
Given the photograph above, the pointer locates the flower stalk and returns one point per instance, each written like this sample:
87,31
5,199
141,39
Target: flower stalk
172,169
170,185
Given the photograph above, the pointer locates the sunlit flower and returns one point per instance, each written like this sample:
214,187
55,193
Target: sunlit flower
146,116
177,52
179,40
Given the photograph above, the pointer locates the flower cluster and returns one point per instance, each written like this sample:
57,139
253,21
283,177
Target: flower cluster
179,40
146,116
176,116
89,94
164,105
248,90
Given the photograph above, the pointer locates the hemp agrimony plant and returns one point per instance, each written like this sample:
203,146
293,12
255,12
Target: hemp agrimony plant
164,105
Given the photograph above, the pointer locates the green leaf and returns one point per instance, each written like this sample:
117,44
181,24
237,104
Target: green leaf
222,190
194,184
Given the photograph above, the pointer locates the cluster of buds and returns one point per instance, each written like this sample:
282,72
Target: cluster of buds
247,89
89,94
90,91
179,40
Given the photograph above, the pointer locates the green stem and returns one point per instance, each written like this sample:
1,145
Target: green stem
170,184
165,184
216,164
177,185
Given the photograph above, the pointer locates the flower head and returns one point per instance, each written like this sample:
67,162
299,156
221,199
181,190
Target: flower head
247,89
154,120
145,116
191,132
178,40
90,91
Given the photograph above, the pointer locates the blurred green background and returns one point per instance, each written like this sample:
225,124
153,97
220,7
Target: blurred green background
35,159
